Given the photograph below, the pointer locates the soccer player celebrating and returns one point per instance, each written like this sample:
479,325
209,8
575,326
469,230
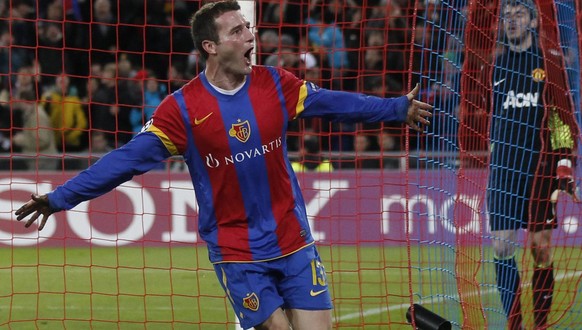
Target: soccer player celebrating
531,156
229,124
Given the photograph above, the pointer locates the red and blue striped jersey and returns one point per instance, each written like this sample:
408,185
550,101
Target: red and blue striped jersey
250,204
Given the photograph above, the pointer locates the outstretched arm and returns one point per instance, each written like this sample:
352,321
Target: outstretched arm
140,155
356,107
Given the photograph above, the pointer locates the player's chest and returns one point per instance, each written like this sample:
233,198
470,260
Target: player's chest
519,90
239,123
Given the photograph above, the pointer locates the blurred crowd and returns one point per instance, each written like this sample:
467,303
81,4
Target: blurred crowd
81,77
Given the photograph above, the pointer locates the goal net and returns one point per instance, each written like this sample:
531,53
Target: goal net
400,217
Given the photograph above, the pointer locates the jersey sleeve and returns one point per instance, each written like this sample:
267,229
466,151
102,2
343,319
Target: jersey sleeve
167,124
162,136
141,154
306,99
293,90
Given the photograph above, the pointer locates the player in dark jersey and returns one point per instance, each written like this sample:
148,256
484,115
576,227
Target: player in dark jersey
229,124
531,146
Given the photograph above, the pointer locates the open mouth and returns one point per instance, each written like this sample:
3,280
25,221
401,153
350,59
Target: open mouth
248,54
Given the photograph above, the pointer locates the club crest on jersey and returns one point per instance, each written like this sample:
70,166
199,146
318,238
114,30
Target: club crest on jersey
251,302
538,75
241,131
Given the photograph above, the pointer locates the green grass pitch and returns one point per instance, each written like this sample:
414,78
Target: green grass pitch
175,288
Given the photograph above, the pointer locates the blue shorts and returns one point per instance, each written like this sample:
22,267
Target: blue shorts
257,289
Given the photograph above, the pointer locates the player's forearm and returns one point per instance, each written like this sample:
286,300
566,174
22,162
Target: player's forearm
140,155
345,106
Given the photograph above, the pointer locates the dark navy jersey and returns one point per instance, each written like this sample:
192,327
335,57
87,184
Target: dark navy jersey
250,204
532,127
518,112
517,122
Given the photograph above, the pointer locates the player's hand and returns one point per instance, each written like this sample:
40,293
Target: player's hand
417,111
39,205
566,182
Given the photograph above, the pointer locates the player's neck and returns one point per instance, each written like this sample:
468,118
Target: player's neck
223,80
523,45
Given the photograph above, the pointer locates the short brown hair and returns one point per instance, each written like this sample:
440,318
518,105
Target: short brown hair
203,25
527,4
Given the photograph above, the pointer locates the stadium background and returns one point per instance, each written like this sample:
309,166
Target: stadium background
399,220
